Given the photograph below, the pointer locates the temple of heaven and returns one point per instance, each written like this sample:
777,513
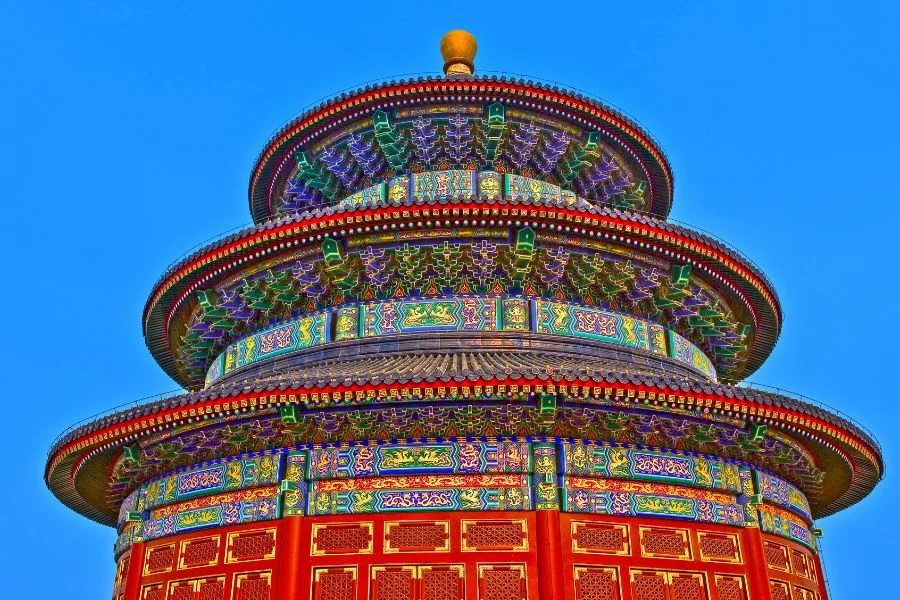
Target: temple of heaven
463,354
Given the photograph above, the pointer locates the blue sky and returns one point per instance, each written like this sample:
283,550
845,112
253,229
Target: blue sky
128,129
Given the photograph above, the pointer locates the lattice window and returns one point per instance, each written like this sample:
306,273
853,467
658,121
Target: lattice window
159,559
442,583
801,593
800,563
393,583
199,553
596,583
251,545
648,585
718,547
601,538
667,543
335,584
122,570
780,590
497,582
211,589
252,586
342,539
777,557
181,590
731,587
417,537
494,535
152,592
687,586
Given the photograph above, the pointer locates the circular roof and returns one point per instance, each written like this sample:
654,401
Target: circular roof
833,461
369,135
755,320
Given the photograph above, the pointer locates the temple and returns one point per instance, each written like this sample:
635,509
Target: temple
463,354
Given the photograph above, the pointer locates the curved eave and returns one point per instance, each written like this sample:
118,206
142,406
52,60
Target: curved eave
730,272
270,170
92,447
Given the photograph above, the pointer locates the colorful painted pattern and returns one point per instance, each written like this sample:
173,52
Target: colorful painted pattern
461,184
751,515
129,505
490,185
545,479
444,184
689,354
246,506
636,499
643,465
420,493
525,187
130,533
514,314
785,523
229,475
346,323
290,336
367,197
416,316
778,491
450,457
557,318
294,484
398,188
469,313
470,474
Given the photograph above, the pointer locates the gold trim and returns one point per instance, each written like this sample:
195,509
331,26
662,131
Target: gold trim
668,576
184,543
577,570
319,527
239,578
229,559
785,586
388,549
519,568
466,523
171,566
685,537
735,540
150,588
805,593
784,552
459,569
318,571
621,527
739,578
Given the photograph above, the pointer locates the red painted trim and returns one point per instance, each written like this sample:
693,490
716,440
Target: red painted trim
532,94
127,428
548,553
290,558
814,565
692,246
820,576
757,580
549,556
135,568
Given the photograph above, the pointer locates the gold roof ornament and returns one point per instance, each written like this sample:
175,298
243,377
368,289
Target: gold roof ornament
458,48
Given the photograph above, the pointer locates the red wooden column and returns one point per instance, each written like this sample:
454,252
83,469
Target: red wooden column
820,576
292,558
135,568
549,555
757,566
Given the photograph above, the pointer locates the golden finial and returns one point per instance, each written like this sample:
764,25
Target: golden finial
458,48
